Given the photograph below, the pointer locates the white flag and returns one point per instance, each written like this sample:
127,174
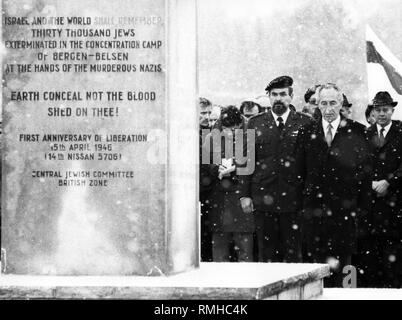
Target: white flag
384,71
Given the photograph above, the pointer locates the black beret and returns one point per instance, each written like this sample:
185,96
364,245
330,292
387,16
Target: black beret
280,82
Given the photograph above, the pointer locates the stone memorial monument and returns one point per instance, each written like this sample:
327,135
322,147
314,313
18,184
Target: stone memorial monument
100,151
95,138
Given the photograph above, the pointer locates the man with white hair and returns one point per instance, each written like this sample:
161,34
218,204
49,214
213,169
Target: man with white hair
335,167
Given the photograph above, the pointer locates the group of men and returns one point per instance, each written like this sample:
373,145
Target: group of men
323,188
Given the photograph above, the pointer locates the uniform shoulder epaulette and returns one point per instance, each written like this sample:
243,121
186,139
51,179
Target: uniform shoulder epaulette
358,125
304,115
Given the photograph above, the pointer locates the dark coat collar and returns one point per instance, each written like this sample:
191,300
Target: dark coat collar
393,131
291,121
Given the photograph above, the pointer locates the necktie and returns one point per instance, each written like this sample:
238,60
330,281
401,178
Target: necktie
280,125
382,137
328,136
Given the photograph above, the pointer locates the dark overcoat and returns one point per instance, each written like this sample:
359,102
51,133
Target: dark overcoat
225,213
274,186
337,185
385,217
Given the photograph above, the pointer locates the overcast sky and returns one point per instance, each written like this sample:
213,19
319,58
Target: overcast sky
243,44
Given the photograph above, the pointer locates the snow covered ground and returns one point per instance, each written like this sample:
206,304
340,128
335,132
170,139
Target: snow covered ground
361,294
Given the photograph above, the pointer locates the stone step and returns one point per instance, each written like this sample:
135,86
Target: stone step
250,281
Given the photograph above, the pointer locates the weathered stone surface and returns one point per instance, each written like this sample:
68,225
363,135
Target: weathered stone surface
313,289
291,294
210,281
142,225
300,291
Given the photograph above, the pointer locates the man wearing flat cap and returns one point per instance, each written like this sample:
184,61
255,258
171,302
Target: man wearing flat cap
384,265
272,191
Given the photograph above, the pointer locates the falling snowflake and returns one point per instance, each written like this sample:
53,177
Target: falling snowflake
333,262
268,200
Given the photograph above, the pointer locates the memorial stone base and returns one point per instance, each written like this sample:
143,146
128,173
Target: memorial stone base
243,281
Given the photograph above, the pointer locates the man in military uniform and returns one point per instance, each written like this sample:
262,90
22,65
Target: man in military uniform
272,189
